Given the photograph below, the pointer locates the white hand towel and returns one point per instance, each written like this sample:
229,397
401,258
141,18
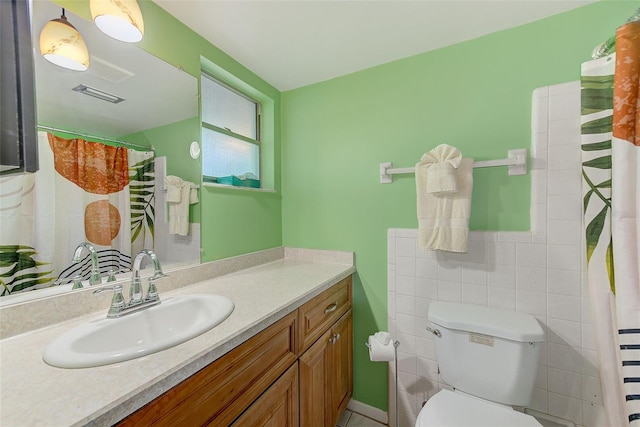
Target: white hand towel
441,164
193,195
443,220
180,194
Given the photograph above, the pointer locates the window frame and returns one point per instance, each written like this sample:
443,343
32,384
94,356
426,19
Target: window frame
228,132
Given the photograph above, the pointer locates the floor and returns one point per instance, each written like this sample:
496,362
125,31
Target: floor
353,419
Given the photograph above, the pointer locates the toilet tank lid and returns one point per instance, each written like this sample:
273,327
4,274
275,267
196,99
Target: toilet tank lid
486,320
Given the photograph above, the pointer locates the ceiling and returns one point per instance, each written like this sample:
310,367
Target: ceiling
295,43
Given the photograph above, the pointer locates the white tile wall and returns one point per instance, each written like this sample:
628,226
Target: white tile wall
172,249
539,272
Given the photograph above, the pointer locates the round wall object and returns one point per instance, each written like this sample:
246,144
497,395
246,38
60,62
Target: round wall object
194,150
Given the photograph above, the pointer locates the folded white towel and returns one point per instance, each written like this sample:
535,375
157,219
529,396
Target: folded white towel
174,186
441,164
443,220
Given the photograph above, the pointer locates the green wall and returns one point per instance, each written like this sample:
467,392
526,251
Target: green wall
474,95
233,222
179,161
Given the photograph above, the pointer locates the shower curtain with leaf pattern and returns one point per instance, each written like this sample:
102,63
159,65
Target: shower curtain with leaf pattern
84,191
611,200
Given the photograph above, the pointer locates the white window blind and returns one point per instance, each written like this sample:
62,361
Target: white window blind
230,131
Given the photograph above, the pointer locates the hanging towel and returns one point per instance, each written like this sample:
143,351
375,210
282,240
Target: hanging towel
441,164
443,220
180,194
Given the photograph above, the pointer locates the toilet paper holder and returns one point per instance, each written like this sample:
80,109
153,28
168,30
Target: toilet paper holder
396,344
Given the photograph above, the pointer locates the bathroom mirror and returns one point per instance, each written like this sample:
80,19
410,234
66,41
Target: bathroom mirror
155,93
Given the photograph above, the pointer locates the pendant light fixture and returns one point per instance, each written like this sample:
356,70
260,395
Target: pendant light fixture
62,45
120,19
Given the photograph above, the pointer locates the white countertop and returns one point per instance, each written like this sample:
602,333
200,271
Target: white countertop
34,393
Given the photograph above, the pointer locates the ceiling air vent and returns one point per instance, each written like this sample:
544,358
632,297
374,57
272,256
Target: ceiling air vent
108,71
97,93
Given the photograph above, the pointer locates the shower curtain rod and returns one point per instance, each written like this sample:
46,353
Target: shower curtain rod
101,138
608,46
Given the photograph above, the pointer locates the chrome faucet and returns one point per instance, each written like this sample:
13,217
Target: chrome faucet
136,301
95,278
135,292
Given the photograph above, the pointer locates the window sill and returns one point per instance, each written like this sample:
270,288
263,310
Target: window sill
234,187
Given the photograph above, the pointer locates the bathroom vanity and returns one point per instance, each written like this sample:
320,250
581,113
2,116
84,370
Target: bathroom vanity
257,383
284,356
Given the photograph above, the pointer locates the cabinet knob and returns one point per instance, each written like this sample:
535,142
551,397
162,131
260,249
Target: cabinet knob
334,338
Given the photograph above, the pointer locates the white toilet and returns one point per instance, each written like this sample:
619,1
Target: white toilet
490,357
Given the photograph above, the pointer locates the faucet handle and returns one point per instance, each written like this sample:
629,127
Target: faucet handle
117,302
77,283
152,290
111,275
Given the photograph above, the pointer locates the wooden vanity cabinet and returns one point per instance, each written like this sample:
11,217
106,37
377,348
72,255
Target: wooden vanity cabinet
326,376
223,390
295,373
326,367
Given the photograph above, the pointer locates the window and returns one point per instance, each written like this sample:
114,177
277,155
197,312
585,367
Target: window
230,133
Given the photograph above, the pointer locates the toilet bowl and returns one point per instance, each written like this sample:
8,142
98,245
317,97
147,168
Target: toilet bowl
453,409
489,357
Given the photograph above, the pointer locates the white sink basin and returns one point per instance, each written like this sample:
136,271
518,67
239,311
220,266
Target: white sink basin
105,341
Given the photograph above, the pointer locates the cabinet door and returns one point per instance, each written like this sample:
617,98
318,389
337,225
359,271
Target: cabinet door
315,389
341,365
277,407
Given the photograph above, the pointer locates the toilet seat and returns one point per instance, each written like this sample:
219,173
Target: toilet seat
450,409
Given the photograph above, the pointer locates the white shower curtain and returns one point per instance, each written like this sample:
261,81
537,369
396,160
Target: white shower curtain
84,191
142,198
611,181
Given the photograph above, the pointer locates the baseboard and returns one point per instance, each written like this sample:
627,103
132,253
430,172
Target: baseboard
368,411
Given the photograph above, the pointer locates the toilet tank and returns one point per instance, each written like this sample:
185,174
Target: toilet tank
487,352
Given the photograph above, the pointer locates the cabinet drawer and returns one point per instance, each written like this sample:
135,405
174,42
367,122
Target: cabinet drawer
220,392
317,315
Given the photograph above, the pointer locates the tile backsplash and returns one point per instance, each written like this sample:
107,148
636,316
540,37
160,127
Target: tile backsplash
172,248
541,272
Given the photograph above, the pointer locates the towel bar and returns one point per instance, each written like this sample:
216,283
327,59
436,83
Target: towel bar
164,187
517,162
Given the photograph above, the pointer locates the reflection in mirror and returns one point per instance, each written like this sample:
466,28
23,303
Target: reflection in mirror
89,187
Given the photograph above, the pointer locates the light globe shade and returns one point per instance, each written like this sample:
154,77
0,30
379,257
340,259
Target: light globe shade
120,19
62,45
